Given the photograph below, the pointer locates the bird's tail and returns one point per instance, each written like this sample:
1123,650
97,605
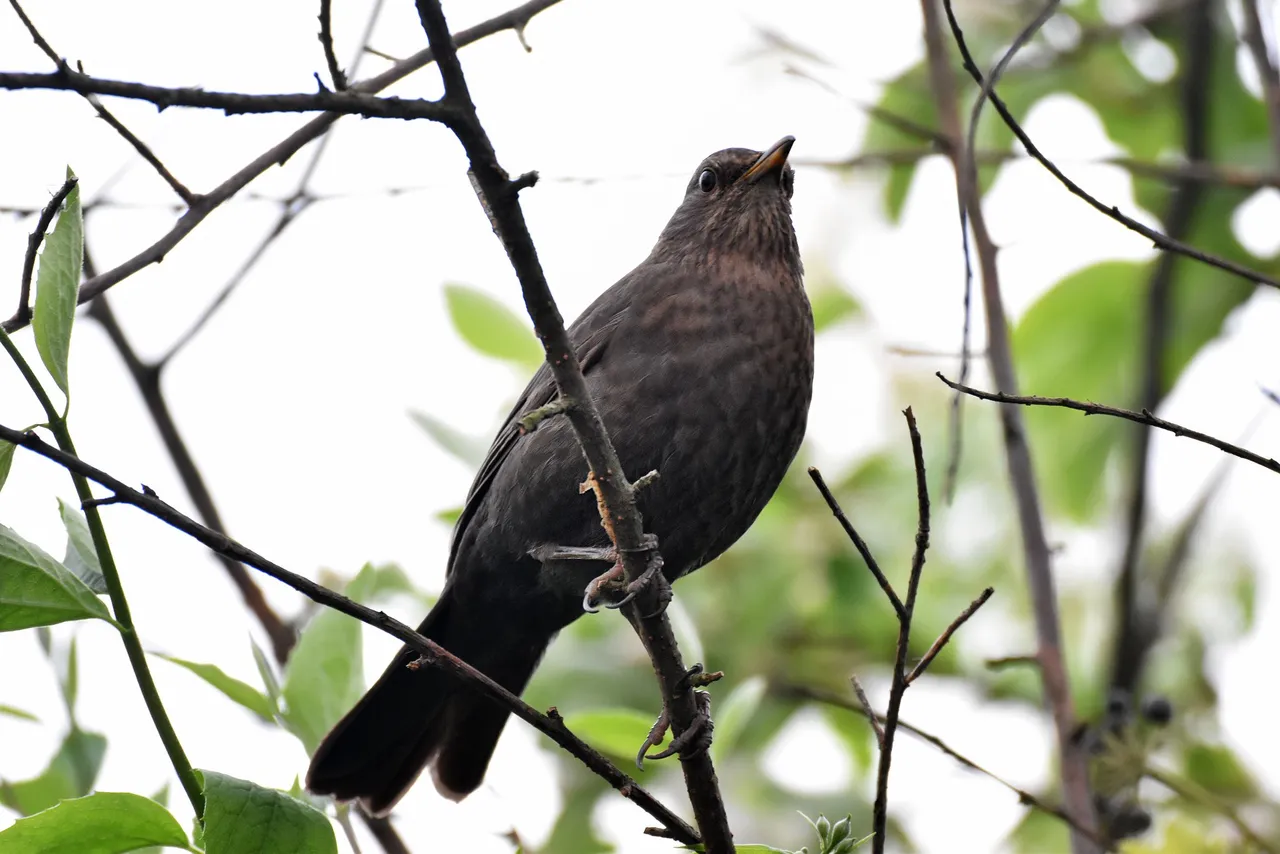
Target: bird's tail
412,718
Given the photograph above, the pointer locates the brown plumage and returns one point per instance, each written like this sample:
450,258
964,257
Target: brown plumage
701,362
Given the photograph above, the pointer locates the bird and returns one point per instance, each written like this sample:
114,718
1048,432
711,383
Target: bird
700,361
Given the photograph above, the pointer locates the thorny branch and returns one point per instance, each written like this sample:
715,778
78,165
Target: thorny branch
550,724
499,196
905,610
513,19
1143,417
1039,567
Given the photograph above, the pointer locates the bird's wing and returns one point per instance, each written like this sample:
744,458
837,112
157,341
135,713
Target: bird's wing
540,391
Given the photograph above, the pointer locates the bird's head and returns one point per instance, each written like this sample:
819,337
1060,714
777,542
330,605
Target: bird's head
737,205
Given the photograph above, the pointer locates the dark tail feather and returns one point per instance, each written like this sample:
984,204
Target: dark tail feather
381,746
411,717
473,723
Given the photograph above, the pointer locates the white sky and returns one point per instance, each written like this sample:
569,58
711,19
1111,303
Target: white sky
293,399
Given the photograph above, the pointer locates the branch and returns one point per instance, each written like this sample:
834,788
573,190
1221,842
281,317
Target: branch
326,41
499,196
513,19
348,102
858,542
147,379
33,245
1024,797
905,611
550,725
1073,766
880,812
1257,43
1143,417
1161,240
1129,653
106,115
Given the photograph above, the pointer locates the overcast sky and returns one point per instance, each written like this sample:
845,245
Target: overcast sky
294,398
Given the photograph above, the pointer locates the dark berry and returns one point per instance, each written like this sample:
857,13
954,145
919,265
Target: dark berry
1133,821
1158,710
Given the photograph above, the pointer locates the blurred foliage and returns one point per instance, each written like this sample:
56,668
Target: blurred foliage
811,613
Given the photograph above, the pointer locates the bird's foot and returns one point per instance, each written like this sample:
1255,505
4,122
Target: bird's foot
693,741
612,590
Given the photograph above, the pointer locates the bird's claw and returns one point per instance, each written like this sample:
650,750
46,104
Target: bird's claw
692,742
611,589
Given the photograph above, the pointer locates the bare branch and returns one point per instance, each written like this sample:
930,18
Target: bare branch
280,153
1024,797
858,542
550,725
950,630
1137,417
33,245
1128,657
1267,73
1039,569
326,40
1161,240
499,196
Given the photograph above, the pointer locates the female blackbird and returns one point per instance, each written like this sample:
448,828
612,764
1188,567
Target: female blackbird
701,363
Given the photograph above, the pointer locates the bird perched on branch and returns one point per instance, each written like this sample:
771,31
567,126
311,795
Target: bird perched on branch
700,361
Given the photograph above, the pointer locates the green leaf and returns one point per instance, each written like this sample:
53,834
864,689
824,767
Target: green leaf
268,674
449,515
617,732
490,327
102,823
735,713
324,677
831,305
6,460
244,694
57,287
1080,340
1217,769
907,97
243,818
15,712
70,774
36,590
82,556
468,449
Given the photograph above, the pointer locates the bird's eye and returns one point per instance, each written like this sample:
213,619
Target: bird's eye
707,181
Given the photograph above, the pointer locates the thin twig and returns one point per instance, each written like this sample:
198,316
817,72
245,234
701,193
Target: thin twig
1267,72
499,196
1161,240
970,149
874,720
549,725
33,245
512,19
857,541
1024,797
290,209
1137,417
348,102
950,630
326,40
880,812
129,136
1039,569
147,379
